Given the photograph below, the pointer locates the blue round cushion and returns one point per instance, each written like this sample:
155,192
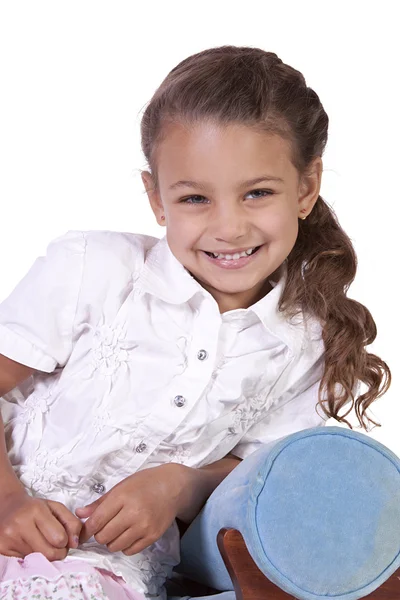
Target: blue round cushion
319,511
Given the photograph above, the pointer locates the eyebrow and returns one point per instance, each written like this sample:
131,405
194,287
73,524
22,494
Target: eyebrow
188,183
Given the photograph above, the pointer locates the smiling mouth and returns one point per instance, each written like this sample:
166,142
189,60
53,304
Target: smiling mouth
242,254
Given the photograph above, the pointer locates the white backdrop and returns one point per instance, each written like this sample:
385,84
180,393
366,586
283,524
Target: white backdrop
76,75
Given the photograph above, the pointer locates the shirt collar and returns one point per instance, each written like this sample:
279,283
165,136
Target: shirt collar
266,309
166,278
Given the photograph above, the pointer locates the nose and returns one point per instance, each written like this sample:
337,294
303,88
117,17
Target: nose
229,224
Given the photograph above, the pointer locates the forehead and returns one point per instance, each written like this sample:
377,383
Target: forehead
208,150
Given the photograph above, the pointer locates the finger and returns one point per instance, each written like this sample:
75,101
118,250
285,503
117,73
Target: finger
88,510
22,547
99,519
51,528
113,529
16,545
136,547
72,525
14,553
38,543
123,541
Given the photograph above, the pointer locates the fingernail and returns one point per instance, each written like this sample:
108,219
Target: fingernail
76,541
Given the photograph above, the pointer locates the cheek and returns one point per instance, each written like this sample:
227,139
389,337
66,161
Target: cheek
278,223
181,237
282,230
186,230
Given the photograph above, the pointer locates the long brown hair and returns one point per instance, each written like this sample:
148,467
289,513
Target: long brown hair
231,84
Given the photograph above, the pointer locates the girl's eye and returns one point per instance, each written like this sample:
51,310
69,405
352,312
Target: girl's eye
264,194
186,200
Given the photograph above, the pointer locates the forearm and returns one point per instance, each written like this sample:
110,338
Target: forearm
196,485
8,479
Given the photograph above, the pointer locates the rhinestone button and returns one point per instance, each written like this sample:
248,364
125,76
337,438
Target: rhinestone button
141,447
180,401
202,354
98,488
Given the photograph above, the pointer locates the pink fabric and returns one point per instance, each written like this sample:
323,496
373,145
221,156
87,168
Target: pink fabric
35,576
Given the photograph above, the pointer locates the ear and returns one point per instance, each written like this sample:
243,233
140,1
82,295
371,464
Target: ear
310,187
153,196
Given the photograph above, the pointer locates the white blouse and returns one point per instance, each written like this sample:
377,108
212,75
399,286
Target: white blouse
137,367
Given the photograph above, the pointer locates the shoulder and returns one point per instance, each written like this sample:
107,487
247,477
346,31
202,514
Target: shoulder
109,261
114,248
104,249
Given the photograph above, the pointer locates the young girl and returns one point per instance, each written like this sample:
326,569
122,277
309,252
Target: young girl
136,372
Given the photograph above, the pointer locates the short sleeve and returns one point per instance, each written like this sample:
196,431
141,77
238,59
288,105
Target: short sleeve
37,318
295,414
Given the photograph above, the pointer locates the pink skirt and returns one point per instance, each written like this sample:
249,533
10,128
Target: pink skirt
36,577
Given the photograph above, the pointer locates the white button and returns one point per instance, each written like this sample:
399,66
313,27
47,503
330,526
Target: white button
99,488
180,401
202,354
141,447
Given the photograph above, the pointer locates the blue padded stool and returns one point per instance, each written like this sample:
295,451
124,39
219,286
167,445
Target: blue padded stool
319,511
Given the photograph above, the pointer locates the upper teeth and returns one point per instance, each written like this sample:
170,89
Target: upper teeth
234,256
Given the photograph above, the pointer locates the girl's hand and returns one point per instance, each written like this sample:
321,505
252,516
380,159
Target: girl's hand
34,525
136,512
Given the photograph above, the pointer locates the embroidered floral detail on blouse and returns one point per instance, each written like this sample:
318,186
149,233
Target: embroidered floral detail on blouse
110,349
248,412
179,454
258,401
35,405
100,420
39,472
